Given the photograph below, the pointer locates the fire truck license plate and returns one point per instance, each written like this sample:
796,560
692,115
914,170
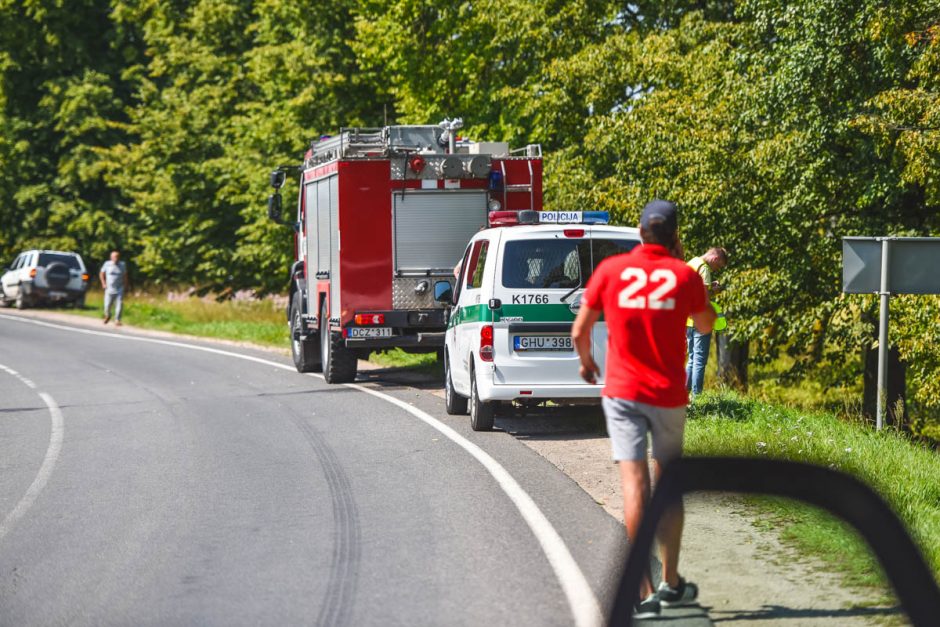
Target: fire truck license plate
542,343
370,331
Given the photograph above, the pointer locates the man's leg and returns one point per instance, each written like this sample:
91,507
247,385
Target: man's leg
635,482
702,343
628,429
107,306
690,351
669,535
118,305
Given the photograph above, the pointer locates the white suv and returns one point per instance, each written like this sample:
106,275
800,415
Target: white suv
509,331
44,276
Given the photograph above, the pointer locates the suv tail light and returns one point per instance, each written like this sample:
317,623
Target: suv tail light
486,342
85,277
32,273
365,319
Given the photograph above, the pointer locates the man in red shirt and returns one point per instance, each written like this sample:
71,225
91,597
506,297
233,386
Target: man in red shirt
646,296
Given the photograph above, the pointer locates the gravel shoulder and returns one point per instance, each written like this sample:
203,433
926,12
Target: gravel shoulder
745,573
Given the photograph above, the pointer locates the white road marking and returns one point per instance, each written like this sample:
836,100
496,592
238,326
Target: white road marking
48,463
584,605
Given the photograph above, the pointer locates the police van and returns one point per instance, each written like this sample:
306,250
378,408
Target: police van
508,337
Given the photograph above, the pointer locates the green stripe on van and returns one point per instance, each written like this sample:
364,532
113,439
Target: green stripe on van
557,312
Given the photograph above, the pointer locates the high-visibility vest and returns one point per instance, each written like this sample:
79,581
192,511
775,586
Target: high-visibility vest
721,323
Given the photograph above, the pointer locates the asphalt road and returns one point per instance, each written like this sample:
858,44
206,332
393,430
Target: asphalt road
143,482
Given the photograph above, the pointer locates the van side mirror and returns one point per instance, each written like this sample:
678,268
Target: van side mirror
277,178
443,292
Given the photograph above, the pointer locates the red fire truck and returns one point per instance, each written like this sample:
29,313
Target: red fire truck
383,215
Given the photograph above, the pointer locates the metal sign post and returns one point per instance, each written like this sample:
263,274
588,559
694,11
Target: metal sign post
882,395
885,266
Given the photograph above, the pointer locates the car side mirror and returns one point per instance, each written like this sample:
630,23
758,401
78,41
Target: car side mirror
837,493
443,292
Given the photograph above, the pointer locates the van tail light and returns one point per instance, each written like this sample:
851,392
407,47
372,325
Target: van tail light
486,343
85,277
32,273
367,319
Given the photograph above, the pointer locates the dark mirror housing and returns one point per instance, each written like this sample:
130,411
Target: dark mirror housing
277,178
274,208
830,490
495,304
443,292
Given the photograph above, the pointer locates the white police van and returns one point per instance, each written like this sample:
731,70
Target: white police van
509,331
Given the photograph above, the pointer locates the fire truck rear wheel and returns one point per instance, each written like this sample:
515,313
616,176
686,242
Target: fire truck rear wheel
306,353
339,363
455,404
482,414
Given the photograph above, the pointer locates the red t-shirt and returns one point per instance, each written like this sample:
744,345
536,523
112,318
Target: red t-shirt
646,295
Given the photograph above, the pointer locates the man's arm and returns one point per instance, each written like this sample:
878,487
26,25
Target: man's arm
581,336
705,319
104,283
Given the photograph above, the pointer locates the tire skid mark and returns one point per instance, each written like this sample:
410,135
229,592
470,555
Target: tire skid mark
339,598
56,435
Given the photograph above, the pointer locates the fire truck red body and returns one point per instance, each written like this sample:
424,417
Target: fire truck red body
383,216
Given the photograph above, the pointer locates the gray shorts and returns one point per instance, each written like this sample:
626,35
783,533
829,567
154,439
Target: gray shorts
628,422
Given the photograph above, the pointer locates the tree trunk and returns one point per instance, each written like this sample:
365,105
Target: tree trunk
732,361
897,386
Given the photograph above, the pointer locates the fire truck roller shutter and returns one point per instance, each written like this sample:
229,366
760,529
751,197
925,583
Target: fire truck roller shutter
311,231
432,228
335,305
323,225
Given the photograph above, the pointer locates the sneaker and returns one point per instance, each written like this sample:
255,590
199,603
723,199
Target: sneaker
647,608
685,594
107,319
119,324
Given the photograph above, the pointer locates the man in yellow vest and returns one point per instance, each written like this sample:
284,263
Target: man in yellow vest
698,344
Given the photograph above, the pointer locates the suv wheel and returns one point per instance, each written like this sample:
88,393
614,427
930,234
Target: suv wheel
454,403
306,353
482,414
339,363
20,301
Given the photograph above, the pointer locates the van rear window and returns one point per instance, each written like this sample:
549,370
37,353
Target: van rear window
557,263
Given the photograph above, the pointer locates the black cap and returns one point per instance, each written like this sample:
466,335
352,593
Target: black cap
661,216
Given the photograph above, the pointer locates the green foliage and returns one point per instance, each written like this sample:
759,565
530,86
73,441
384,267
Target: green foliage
903,472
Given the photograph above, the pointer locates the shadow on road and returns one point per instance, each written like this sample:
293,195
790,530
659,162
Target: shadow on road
776,612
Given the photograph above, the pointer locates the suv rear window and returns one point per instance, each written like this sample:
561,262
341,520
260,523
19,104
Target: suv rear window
70,260
557,263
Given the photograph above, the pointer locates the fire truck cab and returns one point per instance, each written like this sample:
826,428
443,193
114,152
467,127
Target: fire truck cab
383,216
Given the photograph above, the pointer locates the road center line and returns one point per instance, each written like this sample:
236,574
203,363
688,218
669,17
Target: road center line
56,434
584,605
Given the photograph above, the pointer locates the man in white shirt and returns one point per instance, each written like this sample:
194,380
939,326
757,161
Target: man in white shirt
114,281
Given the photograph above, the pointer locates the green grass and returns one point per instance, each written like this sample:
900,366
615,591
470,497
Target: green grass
259,322
420,362
905,473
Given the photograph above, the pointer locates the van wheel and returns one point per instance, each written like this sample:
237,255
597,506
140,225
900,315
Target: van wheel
454,403
482,414
339,363
306,353
20,302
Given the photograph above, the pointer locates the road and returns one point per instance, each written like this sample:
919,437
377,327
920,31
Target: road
147,482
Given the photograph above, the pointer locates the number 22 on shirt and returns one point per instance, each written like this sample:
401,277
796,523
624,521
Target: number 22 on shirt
663,280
